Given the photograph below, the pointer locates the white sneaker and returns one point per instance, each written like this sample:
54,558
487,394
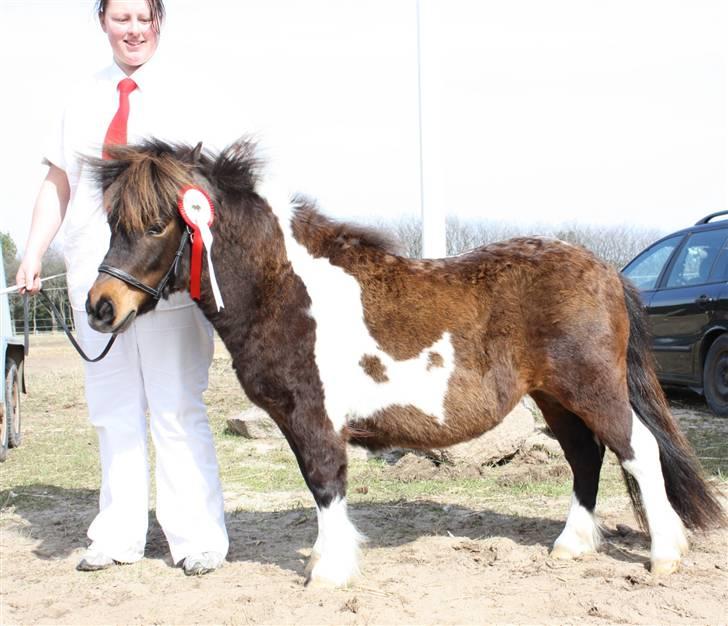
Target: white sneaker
202,563
94,560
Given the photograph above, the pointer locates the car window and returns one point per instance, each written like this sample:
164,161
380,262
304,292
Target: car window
696,258
720,267
645,270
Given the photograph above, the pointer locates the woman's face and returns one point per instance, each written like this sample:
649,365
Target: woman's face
128,25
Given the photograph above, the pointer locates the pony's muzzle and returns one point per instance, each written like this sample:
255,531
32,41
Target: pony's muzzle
101,316
111,305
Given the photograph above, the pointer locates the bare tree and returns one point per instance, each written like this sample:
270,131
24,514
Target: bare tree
615,245
408,230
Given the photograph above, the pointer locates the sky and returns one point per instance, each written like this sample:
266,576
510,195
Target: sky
532,111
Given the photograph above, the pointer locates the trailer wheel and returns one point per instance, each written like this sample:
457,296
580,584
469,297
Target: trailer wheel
4,431
12,403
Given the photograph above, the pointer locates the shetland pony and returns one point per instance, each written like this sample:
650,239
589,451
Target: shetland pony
343,340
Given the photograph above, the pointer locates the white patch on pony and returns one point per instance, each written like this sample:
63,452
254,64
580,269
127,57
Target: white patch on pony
581,535
335,555
342,339
667,532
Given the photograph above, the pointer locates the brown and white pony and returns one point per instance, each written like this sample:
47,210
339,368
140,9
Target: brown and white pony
342,340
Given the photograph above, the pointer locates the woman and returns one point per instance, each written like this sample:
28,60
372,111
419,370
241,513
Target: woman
161,363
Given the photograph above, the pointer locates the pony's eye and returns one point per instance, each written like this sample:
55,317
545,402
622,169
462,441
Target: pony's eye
155,229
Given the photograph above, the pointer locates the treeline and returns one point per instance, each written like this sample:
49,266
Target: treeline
614,244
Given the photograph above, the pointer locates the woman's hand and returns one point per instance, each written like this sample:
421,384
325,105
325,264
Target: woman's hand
29,274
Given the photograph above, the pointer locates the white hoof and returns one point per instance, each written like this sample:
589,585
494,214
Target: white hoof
326,575
572,548
664,567
565,553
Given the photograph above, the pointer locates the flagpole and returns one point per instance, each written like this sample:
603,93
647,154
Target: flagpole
433,221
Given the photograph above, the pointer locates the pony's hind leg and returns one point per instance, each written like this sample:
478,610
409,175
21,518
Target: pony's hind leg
616,424
581,534
667,533
321,456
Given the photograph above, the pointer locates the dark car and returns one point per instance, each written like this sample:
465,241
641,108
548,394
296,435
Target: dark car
684,283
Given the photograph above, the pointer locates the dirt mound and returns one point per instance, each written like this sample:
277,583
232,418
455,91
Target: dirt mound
539,459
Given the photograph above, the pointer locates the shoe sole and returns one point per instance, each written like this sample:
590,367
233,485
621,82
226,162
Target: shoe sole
198,571
85,566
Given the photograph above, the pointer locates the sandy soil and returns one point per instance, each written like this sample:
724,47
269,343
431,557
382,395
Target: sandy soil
427,561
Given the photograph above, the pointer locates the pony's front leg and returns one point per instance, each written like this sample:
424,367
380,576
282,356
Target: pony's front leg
321,455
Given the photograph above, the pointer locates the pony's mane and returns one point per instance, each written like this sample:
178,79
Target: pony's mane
141,182
325,237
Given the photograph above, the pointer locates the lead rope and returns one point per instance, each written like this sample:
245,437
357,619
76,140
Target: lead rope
62,322
26,315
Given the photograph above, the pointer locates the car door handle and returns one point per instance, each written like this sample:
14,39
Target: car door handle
704,300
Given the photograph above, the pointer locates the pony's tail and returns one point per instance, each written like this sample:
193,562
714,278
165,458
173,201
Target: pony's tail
693,499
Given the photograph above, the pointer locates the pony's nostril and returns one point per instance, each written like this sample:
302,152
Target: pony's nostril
105,310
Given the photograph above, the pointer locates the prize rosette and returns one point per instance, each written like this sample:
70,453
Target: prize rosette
196,208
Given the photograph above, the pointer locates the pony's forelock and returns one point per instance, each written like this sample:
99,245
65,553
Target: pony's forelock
146,193
141,182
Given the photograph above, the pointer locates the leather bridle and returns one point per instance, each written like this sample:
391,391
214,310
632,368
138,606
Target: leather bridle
121,275
130,280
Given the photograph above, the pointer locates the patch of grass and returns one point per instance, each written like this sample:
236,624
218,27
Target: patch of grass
241,467
264,479
59,446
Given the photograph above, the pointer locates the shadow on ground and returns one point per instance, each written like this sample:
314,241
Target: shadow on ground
57,519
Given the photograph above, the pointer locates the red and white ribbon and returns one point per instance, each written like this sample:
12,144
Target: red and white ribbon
196,209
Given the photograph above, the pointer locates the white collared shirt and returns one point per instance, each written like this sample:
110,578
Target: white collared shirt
155,110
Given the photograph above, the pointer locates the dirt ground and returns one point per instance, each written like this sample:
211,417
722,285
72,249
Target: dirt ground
426,563
428,560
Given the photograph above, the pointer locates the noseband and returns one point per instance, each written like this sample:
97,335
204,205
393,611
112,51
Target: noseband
130,280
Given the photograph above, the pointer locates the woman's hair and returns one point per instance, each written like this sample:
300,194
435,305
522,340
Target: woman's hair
156,8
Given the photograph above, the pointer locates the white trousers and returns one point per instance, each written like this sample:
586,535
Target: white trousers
159,364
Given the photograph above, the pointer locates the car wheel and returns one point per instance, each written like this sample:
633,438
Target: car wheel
12,403
715,376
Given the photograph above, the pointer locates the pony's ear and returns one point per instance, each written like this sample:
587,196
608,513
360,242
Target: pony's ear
192,156
196,153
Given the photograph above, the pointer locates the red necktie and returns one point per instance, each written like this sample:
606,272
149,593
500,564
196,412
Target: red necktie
116,134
